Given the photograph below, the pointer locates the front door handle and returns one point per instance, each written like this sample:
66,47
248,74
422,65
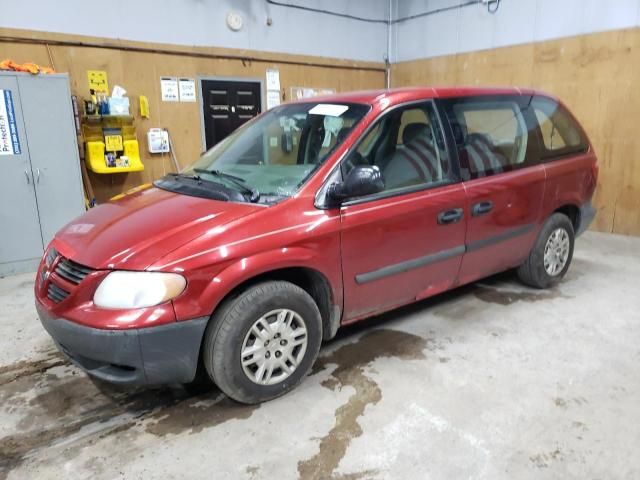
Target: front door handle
450,216
481,208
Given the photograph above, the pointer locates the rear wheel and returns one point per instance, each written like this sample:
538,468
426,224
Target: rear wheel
551,254
262,343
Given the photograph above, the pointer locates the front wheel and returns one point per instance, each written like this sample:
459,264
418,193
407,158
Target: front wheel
551,254
262,343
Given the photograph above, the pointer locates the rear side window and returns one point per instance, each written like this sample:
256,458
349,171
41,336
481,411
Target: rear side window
559,131
491,134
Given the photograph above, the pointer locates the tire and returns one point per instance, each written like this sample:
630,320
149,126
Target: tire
235,326
533,271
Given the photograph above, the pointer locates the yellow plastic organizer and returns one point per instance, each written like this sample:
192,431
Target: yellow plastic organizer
93,133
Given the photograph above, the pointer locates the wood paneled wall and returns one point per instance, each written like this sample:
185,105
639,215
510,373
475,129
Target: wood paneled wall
139,73
596,75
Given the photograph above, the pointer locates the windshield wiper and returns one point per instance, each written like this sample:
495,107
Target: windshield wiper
192,177
219,173
253,193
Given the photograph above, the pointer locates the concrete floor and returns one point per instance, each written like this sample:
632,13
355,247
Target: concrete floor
491,381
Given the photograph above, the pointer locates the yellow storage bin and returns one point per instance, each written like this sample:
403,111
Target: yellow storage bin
95,152
96,161
132,150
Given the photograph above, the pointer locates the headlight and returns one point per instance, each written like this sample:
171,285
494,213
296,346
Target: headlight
50,257
138,289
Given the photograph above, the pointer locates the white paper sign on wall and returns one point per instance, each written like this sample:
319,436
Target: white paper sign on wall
273,79
169,89
9,138
273,98
187,88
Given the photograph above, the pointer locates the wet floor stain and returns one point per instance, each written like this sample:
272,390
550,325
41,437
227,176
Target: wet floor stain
509,297
57,404
195,414
15,371
351,360
14,448
500,289
63,407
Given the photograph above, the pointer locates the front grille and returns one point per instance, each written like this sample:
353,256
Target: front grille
72,271
56,294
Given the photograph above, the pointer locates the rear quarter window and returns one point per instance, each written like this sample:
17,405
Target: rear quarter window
560,134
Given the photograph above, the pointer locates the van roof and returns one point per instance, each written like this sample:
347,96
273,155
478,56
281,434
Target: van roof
400,95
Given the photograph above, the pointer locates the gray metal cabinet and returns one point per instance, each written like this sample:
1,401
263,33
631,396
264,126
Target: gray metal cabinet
42,185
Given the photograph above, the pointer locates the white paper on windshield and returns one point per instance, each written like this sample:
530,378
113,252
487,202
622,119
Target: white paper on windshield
288,124
329,109
332,125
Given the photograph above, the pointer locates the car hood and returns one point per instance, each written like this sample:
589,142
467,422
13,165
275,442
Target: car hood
140,228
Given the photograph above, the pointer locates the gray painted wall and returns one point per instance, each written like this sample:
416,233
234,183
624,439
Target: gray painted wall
516,22
202,23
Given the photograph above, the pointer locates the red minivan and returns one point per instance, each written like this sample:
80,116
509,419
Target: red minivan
316,214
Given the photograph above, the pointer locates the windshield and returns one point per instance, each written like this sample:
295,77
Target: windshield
268,159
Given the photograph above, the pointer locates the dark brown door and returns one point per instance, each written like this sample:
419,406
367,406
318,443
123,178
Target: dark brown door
227,105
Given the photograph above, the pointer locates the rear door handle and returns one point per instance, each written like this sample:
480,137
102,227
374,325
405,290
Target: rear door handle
450,216
481,208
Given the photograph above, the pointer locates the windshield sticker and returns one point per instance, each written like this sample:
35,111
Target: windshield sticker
328,109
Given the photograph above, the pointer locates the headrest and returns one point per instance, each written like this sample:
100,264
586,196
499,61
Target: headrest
413,131
479,138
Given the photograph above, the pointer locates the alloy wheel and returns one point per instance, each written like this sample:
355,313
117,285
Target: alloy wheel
274,347
556,251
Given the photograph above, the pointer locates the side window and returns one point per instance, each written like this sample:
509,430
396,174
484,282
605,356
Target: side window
491,136
559,131
408,146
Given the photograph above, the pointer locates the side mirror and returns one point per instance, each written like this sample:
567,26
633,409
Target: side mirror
362,180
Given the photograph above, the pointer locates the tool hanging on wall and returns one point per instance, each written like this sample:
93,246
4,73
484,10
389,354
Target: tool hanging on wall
90,197
172,151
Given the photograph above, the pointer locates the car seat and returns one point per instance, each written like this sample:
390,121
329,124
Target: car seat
483,156
416,160
477,154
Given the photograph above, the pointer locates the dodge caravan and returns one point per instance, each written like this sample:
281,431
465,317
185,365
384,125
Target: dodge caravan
311,216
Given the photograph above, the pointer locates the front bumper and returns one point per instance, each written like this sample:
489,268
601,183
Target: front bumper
587,214
146,356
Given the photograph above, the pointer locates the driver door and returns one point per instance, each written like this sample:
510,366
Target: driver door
406,242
